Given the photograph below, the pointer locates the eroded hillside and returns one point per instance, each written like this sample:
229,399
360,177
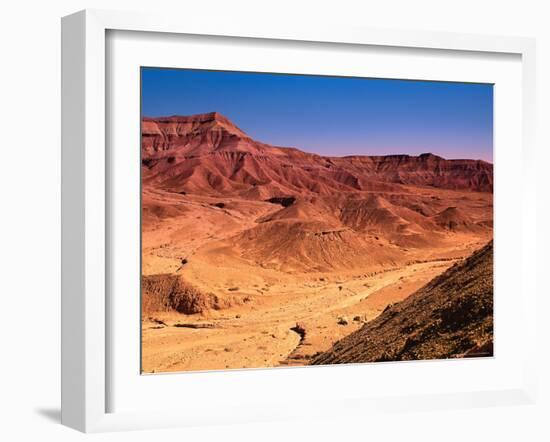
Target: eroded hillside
452,316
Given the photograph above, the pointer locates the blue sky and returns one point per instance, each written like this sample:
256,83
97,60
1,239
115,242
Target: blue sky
333,115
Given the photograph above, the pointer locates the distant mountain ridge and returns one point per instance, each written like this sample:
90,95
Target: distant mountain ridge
207,153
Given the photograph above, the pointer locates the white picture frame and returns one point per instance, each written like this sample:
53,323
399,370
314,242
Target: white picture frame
85,308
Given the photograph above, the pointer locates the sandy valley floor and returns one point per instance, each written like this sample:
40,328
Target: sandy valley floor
278,317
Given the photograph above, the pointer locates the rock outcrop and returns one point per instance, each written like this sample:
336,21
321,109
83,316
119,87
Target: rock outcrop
452,316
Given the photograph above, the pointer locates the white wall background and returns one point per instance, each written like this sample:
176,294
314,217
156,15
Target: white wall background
30,214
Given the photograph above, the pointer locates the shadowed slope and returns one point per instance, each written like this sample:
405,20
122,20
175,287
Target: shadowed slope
164,293
452,316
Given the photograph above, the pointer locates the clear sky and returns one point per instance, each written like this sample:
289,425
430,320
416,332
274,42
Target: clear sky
333,115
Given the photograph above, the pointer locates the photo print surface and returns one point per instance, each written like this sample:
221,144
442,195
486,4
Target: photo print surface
295,220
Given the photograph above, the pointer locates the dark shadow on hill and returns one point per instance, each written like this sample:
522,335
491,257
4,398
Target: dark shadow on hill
450,317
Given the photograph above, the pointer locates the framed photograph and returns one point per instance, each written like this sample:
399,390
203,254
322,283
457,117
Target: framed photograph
265,222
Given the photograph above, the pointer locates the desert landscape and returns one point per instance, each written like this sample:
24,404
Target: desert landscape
256,255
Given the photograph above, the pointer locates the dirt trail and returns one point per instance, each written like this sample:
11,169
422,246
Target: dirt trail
201,243
263,333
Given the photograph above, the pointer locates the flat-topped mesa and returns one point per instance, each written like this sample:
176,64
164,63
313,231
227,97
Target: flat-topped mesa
394,160
426,169
176,131
207,152
210,120
429,156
